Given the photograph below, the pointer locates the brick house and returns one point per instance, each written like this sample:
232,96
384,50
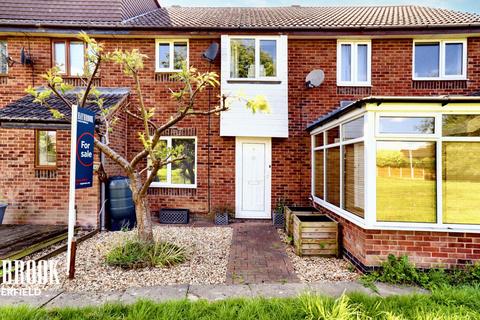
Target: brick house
386,144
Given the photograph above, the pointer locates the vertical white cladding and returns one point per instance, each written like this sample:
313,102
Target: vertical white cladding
239,121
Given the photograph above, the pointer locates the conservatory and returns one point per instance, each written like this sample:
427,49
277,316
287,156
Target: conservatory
400,163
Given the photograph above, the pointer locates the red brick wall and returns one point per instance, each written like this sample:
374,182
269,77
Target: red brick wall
426,249
40,200
391,74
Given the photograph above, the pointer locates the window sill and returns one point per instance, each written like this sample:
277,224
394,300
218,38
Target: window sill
440,79
168,71
354,85
254,81
169,186
51,168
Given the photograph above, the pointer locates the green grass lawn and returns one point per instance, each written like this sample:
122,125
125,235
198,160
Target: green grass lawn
401,199
442,304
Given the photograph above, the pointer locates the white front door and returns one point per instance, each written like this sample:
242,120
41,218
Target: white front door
253,177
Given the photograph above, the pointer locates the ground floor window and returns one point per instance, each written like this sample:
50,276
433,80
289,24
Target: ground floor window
406,187
354,178
461,182
181,173
333,175
45,149
319,168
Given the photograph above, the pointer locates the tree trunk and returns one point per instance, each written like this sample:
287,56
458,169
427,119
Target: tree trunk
144,220
142,210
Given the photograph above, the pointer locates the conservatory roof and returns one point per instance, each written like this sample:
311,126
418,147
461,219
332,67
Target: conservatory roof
337,113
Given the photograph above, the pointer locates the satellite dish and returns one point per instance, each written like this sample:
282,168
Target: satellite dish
314,78
211,53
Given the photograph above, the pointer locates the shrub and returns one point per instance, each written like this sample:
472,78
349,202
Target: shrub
133,254
401,271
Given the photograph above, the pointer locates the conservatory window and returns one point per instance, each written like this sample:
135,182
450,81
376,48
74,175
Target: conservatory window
422,167
407,125
333,175
319,172
354,178
406,187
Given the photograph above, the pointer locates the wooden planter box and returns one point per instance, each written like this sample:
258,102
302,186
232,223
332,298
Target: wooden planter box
301,211
315,235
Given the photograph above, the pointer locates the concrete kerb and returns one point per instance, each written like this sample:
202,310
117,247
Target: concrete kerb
60,299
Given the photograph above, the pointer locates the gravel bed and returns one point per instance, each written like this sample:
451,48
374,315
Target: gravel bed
208,249
313,269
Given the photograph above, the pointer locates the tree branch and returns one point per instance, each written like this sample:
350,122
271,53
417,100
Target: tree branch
90,81
58,94
113,155
140,118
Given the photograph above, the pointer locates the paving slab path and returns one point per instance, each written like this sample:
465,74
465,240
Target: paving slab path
60,299
258,255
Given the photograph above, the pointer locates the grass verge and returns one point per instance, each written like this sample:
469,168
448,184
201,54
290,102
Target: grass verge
454,303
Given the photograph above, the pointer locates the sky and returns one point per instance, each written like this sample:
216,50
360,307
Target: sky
461,5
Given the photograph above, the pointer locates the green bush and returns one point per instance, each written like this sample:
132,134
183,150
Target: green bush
133,254
401,271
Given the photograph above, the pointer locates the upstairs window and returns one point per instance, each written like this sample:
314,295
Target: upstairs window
354,63
170,55
69,56
3,57
46,149
437,60
252,58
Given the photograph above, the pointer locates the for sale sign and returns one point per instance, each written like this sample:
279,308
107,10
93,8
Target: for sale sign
85,147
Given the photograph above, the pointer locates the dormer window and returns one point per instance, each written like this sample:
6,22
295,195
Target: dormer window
69,56
171,55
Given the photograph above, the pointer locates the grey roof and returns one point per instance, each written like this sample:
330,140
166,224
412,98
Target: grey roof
275,18
304,17
338,112
75,11
25,110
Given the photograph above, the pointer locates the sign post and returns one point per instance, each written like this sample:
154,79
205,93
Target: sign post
81,169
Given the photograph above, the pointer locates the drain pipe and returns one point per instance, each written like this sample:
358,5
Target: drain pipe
102,192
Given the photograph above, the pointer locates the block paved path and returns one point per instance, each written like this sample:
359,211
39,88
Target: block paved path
258,255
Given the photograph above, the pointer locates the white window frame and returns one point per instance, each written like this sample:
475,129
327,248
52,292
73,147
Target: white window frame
257,57
171,43
354,67
339,123
441,70
6,46
371,136
168,183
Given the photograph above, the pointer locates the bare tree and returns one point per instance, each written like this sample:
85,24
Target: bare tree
143,167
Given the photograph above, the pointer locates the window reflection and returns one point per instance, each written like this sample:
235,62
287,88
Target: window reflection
461,125
461,182
406,187
407,125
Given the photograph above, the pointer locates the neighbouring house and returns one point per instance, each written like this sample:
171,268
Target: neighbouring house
386,143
